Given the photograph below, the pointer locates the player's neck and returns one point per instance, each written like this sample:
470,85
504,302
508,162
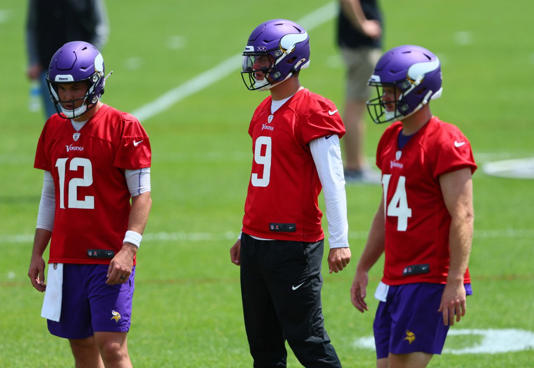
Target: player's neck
413,123
285,89
89,113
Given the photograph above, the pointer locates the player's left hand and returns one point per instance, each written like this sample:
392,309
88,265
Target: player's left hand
338,258
452,303
121,265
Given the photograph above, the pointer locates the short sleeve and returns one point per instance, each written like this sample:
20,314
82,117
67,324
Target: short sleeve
379,152
134,150
42,157
454,152
390,133
321,118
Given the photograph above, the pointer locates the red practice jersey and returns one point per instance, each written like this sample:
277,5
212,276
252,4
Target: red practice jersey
92,197
283,189
417,220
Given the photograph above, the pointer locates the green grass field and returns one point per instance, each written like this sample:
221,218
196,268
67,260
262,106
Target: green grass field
187,307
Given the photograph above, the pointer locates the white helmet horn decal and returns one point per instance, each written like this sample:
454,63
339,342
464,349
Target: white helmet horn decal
417,71
288,42
99,63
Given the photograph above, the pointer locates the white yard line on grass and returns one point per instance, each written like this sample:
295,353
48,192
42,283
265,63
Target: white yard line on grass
494,341
203,80
205,236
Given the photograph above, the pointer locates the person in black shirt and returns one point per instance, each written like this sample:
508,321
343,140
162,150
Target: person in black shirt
50,24
359,37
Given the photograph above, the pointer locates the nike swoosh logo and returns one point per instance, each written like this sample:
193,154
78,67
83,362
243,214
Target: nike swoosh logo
136,143
332,112
458,144
295,287
328,136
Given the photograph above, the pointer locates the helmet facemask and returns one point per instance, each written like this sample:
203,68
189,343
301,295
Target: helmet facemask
394,109
251,76
89,100
378,108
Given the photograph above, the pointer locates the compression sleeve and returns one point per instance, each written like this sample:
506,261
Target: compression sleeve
138,181
45,217
326,154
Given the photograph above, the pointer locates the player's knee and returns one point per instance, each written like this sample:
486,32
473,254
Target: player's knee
83,346
113,351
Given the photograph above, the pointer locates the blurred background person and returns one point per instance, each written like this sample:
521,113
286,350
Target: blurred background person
359,37
50,24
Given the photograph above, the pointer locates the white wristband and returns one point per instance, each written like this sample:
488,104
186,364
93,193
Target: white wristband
133,237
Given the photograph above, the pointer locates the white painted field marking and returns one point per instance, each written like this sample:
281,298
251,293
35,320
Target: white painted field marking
4,15
176,42
522,168
463,38
493,341
206,79
229,235
133,63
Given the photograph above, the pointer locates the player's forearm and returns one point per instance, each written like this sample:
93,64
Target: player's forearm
460,238
375,243
457,190
40,241
139,212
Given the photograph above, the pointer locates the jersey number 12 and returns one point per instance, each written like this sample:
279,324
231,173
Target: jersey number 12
89,201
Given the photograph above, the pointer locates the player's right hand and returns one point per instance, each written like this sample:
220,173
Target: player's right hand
36,273
358,291
235,253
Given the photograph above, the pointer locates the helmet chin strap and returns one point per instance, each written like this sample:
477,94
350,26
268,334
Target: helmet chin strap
72,114
429,96
268,86
302,62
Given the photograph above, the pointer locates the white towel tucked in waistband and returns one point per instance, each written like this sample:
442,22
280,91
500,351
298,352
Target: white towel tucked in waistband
54,292
381,292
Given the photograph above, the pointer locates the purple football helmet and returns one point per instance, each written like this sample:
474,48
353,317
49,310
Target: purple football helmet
77,61
287,47
415,72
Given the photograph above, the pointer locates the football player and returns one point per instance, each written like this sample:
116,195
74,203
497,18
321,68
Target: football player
295,145
424,222
96,160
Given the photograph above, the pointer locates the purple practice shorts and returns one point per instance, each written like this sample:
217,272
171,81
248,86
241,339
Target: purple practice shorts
409,320
90,305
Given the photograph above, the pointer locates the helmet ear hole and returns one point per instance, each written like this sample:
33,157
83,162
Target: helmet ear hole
420,91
